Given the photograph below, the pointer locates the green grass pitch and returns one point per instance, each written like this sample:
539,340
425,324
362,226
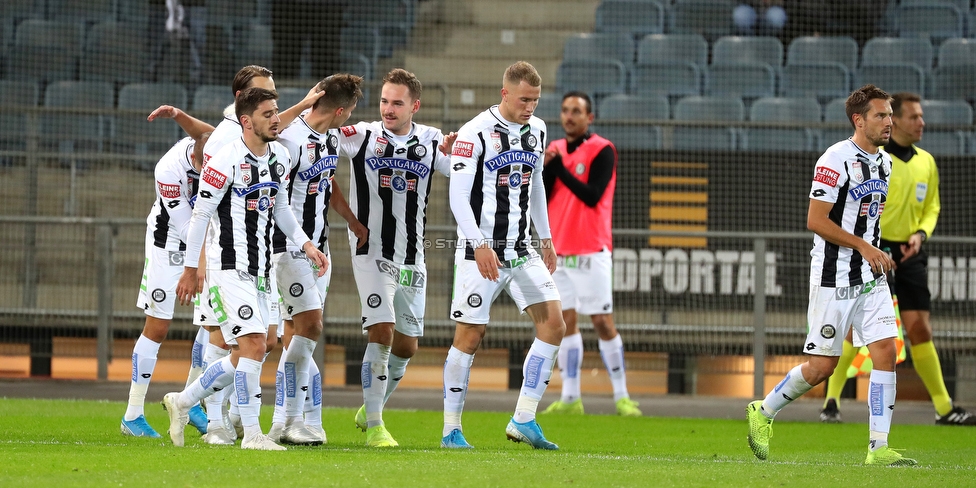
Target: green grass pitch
63,443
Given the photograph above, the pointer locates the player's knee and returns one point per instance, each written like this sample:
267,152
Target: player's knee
404,347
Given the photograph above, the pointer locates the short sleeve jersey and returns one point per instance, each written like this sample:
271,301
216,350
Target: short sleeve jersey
856,183
504,158
227,131
313,164
390,190
176,192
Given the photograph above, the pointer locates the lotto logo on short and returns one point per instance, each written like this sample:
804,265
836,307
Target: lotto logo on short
463,149
826,176
168,191
214,178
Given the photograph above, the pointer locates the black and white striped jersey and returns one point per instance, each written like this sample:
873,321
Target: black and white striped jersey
856,183
227,131
176,192
314,157
239,190
390,189
505,160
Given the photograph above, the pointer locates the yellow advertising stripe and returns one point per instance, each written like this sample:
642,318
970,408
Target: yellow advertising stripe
678,197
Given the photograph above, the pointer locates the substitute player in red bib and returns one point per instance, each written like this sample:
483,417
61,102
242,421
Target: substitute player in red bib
580,176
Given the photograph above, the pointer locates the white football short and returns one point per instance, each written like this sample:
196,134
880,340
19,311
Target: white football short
161,273
834,311
526,280
241,302
585,282
391,292
301,288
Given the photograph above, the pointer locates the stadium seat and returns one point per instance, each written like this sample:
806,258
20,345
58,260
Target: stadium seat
114,52
87,11
18,10
355,63
814,49
592,76
550,105
781,109
673,48
668,79
709,18
254,46
131,132
629,108
748,80
939,139
365,41
821,80
13,122
289,96
888,50
45,51
209,101
77,130
955,52
947,112
954,82
748,49
944,142
634,17
707,109
934,21
613,45
392,19
893,77
835,112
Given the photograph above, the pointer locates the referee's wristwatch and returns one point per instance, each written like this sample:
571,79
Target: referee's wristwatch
922,233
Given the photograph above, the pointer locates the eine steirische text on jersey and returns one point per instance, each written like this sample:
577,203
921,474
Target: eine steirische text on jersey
240,191
313,164
506,160
390,189
176,192
856,183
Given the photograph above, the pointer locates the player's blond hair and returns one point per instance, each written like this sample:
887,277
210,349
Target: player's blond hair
522,71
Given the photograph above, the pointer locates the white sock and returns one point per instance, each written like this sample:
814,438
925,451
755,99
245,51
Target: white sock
215,401
612,352
216,377
247,381
313,400
230,397
297,357
457,370
881,404
143,363
570,360
398,366
197,353
375,374
536,371
279,416
789,389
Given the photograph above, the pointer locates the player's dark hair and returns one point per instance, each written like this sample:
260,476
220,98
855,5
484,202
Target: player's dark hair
584,96
522,71
249,99
400,76
342,90
859,102
247,74
900,98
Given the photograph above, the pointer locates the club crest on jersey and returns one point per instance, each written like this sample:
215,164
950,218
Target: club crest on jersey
246,173
333,141
514,179
316,187
279,169
872,209
397,182
496,141
531,141
381,143
420,151
310,148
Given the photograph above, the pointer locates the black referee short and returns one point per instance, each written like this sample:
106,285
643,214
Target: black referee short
911,278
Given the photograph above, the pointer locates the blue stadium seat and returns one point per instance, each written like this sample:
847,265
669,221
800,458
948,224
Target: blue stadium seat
782,109
707,109
893,77
955,82
131,132
634,17
14,123
944,142
815,49
209,101
940,113
613,45
673,48
888,50
630,108
934,21
115,52
835,112
595,77
747,80
821,80
45,51
947,112
668,79
87,11
959,51
748,49
709,18
77,130
550,105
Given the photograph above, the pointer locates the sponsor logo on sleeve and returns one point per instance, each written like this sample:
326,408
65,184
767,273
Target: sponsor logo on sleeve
214,178
463,149
826,176
349,130
168,191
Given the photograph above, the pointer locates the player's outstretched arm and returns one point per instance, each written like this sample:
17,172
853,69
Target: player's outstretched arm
289,116
193,126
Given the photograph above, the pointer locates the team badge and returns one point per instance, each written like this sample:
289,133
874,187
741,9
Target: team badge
872,209
296,289
474,300
310,147
333,141
828,332
514,180
420,151
496,141
381,144
279,169
857,176
373,300
531,141
158,295
580,168
245,312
